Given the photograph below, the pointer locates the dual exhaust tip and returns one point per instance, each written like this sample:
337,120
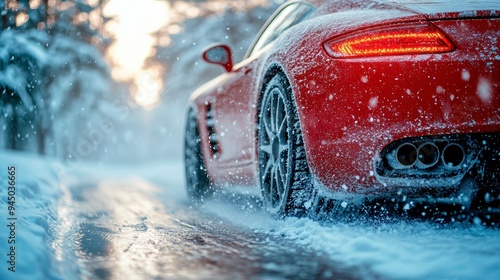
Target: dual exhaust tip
427,155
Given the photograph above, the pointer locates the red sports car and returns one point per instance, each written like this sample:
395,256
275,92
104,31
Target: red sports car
350,100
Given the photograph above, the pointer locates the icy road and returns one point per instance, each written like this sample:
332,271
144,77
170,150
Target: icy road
91,221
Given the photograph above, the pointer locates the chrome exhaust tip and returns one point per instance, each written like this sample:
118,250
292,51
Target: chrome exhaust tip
405,156
427,155
453,155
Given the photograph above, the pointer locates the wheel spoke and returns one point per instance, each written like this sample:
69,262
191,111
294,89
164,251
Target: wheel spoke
272,113
272,184
267,174
279,183
268,169
267,124
266,149
283,132
277,115
282,168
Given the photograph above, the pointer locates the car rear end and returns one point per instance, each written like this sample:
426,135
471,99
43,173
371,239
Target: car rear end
402,121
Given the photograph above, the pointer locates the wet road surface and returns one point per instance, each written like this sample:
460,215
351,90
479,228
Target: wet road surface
130,229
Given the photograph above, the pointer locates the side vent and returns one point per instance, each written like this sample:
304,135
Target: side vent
212,135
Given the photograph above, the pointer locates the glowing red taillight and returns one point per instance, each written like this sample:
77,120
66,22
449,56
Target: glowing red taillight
392,40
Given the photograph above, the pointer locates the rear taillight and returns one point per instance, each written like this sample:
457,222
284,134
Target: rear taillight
391,40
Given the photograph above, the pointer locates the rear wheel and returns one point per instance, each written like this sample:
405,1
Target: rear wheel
283,169
198,184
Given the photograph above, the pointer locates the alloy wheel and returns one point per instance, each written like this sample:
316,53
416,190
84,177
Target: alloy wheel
274,149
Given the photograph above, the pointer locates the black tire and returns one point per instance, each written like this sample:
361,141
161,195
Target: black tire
197,181
283,170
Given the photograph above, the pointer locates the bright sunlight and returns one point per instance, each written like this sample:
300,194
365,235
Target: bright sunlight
132,27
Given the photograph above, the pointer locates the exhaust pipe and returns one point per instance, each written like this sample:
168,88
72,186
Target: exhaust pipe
405,156
427,155
453,155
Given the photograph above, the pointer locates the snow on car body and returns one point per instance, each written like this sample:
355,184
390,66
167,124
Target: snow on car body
354,99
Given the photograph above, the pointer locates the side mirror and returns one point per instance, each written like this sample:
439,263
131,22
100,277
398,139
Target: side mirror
219,54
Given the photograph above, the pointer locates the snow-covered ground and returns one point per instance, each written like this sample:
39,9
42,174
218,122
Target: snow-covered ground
396,250
37,192
97,221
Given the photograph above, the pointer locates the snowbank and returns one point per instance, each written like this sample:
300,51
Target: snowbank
37,191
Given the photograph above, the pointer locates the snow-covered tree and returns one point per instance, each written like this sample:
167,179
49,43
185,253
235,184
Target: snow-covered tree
21,85
50,65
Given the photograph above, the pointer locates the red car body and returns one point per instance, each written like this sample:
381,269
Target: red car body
356,109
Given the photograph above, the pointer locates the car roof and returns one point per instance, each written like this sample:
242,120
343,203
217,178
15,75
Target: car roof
429,8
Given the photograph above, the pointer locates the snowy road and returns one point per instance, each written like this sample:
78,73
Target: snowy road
134,222
129,230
